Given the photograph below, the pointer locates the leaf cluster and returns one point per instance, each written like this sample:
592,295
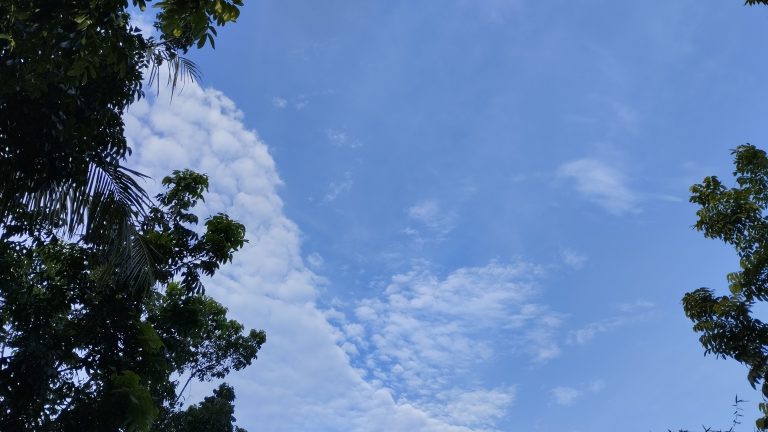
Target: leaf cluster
738,216
68,71
84,348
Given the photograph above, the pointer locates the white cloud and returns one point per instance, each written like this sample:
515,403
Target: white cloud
315,260
629,313
637,306
341,138
433,216
301,102
473,407
279,102
572,258
565,395
303,379
600,183
425,333
337,138
597,386
336,189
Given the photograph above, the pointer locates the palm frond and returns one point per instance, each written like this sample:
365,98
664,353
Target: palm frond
129,257
117,202
180,69
112,191
103,210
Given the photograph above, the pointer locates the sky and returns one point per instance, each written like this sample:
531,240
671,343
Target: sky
469,215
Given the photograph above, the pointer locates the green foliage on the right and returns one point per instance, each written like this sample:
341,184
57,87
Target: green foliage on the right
738,216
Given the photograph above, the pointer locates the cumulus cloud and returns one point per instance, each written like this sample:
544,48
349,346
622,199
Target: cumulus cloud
601,184
303,379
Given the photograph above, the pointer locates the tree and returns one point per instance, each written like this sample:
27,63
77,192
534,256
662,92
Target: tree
82,349
69,70
214,414
104,319
738,216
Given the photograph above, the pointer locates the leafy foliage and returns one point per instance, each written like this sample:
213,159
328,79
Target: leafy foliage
214,414
69,70
83,348
102,308
738,216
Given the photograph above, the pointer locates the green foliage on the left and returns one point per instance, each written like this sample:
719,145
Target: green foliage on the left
68,71
103,315
85,349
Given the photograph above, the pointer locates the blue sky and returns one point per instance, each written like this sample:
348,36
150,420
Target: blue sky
470,215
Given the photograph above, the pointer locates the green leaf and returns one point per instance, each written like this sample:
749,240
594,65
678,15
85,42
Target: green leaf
148,337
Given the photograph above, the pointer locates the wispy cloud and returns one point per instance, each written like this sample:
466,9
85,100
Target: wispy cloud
301,102
601,184
431,214
572,258
566,395
337,188
628,313
279,102
341,138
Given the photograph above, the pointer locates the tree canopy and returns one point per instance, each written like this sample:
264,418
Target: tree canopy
69,70
104,316
738,216
83,349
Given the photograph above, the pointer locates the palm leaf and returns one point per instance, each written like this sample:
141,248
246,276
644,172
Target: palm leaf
179,68
104,210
